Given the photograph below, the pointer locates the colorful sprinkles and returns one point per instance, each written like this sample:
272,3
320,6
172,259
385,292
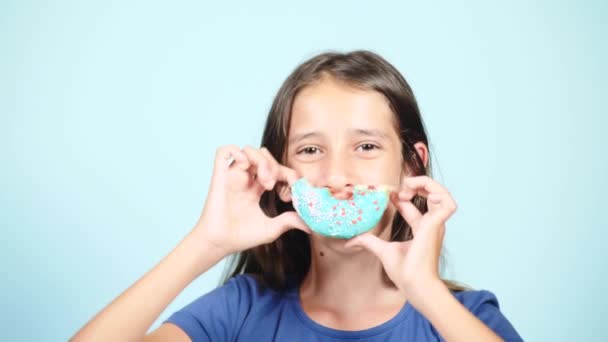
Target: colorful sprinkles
332,217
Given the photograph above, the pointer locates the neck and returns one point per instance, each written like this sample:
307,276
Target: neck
345,280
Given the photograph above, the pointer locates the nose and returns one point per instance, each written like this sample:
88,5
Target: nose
337,177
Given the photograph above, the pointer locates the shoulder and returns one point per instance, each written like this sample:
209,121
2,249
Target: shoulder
476,299
234,289
249,286
483,303
218,314
243,284
237,294
234,299
485,306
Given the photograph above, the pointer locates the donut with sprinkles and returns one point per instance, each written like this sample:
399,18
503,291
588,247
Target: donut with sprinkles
339,218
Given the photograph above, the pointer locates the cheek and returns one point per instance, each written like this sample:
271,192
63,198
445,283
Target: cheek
383,170
379,171
312,172
309,171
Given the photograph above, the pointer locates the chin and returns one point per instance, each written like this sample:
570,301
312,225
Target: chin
337,244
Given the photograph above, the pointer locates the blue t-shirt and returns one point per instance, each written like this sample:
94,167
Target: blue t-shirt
241,310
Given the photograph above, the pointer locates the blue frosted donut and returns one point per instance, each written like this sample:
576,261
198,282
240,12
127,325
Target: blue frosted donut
336,218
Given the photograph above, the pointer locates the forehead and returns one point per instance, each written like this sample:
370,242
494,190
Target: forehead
334,105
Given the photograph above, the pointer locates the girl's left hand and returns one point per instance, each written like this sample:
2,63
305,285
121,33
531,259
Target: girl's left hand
413,265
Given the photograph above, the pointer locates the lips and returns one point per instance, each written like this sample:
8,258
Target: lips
341,214
346,193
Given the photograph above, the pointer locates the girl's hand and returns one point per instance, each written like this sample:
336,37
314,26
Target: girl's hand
232,219
414,264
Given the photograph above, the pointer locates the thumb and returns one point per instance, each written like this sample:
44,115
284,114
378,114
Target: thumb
368,241
290,220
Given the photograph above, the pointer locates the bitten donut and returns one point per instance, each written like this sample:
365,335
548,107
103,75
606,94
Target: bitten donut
337,218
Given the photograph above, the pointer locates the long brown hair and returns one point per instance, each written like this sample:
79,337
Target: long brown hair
289,255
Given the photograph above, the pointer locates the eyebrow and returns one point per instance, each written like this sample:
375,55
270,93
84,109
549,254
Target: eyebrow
370,132
356,131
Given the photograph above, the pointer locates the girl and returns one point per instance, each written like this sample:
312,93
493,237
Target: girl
338,120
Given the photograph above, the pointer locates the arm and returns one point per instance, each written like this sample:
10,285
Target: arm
129,316
231,221
413,265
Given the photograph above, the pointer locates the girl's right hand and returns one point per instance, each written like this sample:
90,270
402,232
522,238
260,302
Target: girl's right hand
232,220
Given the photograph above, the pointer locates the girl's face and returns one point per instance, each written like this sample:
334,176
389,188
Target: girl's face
340,136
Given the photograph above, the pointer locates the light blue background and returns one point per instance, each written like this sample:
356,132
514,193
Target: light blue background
111,114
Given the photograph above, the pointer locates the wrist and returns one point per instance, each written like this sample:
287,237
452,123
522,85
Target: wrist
425,290
207,240
205,253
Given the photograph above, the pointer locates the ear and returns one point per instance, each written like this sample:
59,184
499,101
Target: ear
284,192
423,152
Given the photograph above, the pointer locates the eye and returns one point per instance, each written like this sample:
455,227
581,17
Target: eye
308,150
368,147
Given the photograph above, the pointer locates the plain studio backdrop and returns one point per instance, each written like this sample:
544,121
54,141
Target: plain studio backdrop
111,111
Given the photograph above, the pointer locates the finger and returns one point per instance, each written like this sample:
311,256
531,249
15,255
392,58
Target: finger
276,168
263,150
423,185
290,220
439,199
406,193
368,241
408,211
261,166
239,160
434,198
287,175
283,173
255,185
442,204
224,156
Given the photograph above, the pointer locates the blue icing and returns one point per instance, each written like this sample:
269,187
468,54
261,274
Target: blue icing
332,217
